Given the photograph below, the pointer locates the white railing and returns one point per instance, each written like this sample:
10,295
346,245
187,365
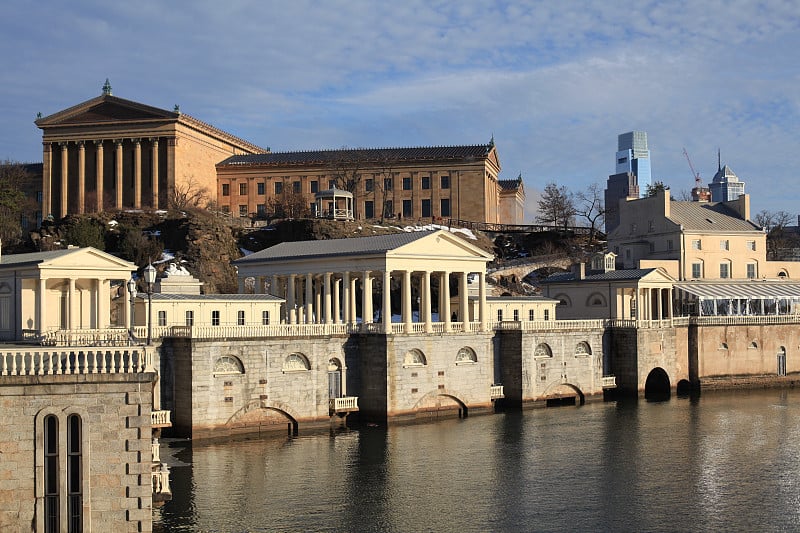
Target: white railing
496,391
160,418
156,448
743,320
44,362
87,337
161,480
547,325
344,404
609,382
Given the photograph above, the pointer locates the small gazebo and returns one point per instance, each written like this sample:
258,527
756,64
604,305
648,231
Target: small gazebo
336,204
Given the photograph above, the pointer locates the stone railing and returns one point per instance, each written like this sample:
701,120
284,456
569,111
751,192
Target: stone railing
87,337
344,404
547,325
496,391
160,419
161,481
49,362
609,382
743,320
156,448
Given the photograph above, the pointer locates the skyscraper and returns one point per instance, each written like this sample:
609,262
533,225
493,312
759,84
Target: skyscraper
634,157
726,185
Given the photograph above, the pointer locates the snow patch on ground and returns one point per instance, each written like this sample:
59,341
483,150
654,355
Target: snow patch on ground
432,227
167,255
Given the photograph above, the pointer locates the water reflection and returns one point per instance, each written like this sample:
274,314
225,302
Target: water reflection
723,461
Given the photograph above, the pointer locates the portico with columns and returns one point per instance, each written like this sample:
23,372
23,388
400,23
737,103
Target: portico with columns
345,281
111,153
72,289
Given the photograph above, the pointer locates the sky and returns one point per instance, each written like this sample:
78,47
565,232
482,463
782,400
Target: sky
553,83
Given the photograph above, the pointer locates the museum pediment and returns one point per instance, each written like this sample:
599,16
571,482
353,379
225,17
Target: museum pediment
106,109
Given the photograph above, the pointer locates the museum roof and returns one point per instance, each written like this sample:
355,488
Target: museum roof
34,257
334,247
210,297
611,275
511,185
708,217
363,155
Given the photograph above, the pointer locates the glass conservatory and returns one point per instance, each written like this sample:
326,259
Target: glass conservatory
753,298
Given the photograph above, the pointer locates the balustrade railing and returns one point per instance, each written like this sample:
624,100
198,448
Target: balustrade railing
609,382
160,418
496,392
156,449
44,362
161,480
344,404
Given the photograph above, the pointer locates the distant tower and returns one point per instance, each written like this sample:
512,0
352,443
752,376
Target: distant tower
634,157
726,185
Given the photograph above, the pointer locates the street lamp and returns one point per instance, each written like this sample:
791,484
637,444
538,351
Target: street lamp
132,292
149,278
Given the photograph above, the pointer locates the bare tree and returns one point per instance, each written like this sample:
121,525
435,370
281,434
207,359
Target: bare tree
780,239
556,206
14,204
289,204
189,194
589,205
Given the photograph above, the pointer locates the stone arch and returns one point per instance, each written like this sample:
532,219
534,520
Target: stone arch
296,362
466,355
596,299
264,415
583,349
543,350
228,364
432,404
560,394
657,385
414,357
753,344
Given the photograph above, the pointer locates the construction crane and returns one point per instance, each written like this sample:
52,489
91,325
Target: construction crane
697,181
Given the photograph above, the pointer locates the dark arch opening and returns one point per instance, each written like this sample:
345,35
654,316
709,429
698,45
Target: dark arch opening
565,395
656,387
685,388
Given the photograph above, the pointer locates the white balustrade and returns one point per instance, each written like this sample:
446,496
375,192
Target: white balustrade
496,391
72,361
156,449
609,382
344,404
160,418
161,480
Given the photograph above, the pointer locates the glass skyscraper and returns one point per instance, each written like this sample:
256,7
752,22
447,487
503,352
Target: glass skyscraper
634,157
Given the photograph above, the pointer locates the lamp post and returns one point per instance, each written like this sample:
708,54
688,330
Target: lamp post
132,292
149,278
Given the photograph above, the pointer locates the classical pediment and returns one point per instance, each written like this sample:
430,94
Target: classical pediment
106,109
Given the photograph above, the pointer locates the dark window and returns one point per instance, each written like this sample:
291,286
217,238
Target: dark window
226,189
407,208
426,208
74,470
296,187
406,184
261,208
240,318
51,482
369,209
444,207
215,318
369,185
332,184
261,188
278,187
444,181
547,314
516,315
387,184
162,318
499,315
426,182
531,315
242,210
190,318
265,318
242,189
314,186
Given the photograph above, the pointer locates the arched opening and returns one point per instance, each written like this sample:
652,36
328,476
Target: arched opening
564,394
334,379
657,386
684,388
782,361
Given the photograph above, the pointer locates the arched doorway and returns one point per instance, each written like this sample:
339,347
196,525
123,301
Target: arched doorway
334,378
782,361
657,386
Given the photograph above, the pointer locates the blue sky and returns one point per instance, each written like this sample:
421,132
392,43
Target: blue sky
553,82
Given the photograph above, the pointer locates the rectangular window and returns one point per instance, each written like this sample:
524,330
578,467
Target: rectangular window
240,318
426,208
751,270
332,184
296,187
369,185
51,468
531,315
261,209
652,247
724,270
426,182
261,188
696,244
243,210
243,189
278,187
724,244
162,318
226,209
407,208
190,318
215,318
265,318
226,189
547,314
499,315
388,208
406,184
697,270
751,245
387,184
444,207
74,473
314,186
516,315
369,209
444,181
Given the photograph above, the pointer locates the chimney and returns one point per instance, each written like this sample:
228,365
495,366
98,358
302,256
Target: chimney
579,270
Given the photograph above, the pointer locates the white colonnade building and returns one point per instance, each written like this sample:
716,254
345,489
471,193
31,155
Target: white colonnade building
344,281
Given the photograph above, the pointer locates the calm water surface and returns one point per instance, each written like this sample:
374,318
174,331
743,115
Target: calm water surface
723,462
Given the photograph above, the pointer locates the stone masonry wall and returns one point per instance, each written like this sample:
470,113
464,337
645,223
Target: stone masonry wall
116,409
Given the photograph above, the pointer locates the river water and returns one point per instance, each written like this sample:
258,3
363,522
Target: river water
724,461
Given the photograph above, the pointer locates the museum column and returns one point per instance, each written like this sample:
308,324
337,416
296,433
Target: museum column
154,172
64,178
118,176
81,177
98,188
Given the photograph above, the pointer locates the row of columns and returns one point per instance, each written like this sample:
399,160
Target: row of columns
62,173
99,317
653,303
330,298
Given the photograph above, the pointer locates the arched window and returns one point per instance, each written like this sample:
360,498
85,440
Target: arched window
466,355
296,362
582,349
228,364
596,300
414,358
564,300
543,350
51,489
753,345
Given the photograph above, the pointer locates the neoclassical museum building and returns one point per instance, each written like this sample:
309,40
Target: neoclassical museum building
111,153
